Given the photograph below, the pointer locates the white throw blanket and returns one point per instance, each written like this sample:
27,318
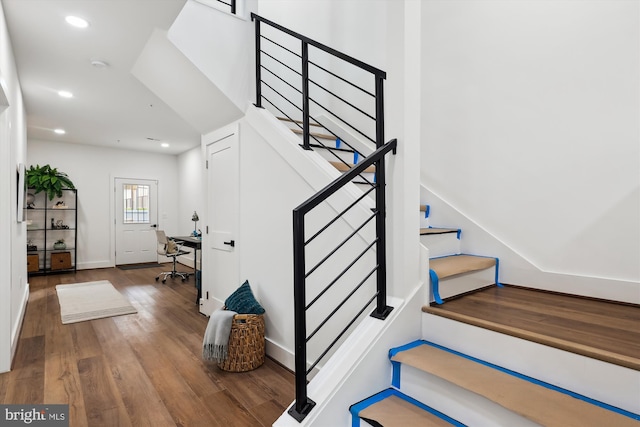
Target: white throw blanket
215,344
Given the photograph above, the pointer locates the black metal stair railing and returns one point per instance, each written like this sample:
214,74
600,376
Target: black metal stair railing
289,76
303,404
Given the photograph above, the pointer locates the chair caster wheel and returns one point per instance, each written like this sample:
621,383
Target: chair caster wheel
157,278
183,280
164,281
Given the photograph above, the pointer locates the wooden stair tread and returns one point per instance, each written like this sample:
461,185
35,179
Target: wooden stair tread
423,208
343,167
562,344
317,135
538,403
434,230
457,264
394,411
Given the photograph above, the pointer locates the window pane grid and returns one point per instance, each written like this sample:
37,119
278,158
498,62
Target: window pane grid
136,203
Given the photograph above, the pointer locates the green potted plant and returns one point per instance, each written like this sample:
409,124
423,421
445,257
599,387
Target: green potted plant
60,244
48,179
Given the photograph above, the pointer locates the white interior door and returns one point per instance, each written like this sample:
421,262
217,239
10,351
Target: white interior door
221,274
136,218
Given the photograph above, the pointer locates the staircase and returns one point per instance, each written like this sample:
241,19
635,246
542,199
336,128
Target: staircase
430,381
451,272
334,148
436,385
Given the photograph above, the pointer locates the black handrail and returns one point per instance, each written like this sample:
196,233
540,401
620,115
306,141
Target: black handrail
232,5
303,404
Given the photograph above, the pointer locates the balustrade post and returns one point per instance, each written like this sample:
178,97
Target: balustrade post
303,404
258,67
379,111
305,95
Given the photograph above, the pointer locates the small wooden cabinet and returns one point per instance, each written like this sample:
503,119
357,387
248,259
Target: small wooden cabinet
51,232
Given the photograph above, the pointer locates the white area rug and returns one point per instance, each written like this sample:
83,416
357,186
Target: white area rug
91,300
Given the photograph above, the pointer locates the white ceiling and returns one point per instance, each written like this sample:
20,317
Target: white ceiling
110,106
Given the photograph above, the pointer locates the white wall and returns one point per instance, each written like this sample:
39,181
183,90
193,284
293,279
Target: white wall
14,289
531,130
92,170
221,47
191,196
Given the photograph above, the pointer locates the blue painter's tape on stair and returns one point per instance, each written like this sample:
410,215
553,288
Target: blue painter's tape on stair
535,381
428,409
426,211
355,157
497,269
355,409
338,142
396,366
459,233
435,285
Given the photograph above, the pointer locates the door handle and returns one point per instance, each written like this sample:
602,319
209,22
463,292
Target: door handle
154,225
231,243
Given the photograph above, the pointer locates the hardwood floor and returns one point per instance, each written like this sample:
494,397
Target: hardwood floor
602,330
135,370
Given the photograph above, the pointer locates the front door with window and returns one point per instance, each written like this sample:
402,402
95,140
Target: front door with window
136,220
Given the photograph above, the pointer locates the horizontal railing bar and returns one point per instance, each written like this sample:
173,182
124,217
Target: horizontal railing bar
328,147
279,45
337,137
344,121
340,159
341,244
343,100
342,273
275,106
337,217
281,79
339,182
324,353
343,79
342,303
338,54
284,97
277,60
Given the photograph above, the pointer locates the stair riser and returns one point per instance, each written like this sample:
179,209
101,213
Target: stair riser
467,407
441,244
461,283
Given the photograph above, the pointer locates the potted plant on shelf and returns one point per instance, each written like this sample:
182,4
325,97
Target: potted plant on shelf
60,244
48,179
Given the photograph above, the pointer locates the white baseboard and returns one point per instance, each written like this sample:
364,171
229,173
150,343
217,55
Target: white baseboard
95,264
15,333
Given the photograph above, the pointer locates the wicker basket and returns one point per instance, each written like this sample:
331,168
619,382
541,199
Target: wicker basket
246,343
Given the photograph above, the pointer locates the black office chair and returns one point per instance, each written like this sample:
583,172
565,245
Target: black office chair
172,249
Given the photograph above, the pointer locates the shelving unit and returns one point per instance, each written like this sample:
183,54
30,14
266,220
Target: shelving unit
49,221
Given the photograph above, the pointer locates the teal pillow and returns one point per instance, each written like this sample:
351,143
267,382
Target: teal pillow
242,301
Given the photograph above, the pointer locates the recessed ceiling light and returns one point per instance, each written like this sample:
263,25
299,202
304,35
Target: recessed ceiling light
77,21
65,94
164,144
99,64
60,131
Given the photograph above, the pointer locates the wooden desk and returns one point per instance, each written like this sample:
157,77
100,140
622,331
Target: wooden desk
196,244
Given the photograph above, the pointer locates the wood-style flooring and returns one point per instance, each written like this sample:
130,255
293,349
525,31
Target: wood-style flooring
142,369
602,330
